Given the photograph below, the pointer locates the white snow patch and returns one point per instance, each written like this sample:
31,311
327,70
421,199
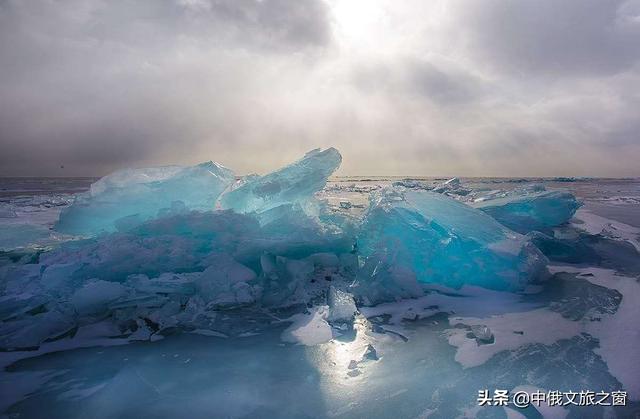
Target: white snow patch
595,224
309,329
619,334
467,301
537,326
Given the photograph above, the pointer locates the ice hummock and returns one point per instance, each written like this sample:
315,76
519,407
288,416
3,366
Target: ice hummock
175,261
294,183
529,209
174,272
436,239
129,197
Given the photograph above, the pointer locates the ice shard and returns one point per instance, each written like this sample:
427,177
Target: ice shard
30,332
94,297
531,209
294,183
129,197
225,282
342,308
451,187
442,241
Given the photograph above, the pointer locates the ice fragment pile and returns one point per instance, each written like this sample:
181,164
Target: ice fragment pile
188,248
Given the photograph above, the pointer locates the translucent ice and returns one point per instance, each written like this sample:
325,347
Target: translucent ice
341,306
296,182
411,184
225,282
172,272
239,279
531,209
128,197
29,332
189,242
451,187
177,263
385,278
440,240
451,183
94,297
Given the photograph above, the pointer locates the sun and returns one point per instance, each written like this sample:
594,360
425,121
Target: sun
387,26
358,23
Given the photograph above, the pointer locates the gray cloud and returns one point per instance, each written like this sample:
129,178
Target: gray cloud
437,88
444,86
104,84
555,38
432,80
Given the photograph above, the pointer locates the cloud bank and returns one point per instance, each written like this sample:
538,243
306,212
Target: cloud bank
469,88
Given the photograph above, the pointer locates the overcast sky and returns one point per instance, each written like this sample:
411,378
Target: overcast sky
491,87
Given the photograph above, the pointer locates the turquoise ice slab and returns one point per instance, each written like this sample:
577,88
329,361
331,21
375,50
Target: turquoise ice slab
529,211
443,241
296,182
129,197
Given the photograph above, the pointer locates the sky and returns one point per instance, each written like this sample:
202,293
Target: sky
412,87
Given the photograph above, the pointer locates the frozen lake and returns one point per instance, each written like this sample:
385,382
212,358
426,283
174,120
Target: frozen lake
579,330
